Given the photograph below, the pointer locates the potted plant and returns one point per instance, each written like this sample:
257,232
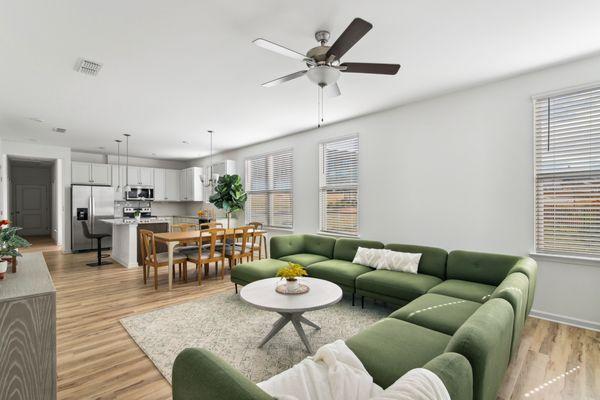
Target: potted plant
10,243
291,273
137,215
229,195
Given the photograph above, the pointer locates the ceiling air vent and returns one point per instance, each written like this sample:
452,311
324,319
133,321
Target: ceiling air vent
59,130
88,67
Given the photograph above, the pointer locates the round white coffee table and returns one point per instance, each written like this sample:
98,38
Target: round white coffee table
261,294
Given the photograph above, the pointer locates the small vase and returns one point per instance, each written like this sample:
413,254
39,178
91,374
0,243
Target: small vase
3,266
292,285
138,218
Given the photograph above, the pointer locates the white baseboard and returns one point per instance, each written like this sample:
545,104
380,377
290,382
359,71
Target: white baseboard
561,319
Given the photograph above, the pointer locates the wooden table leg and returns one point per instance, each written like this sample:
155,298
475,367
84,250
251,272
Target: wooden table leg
170,247
14,265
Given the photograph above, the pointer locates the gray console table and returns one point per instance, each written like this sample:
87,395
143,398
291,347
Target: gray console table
28,332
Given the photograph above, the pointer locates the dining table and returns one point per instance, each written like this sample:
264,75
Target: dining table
172,239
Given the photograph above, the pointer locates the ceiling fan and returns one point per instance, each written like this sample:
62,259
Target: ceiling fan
323,61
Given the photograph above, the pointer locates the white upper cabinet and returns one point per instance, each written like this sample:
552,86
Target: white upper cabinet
166,184
146,176
159,184
171,185
90,174
191,184
140,176
80,173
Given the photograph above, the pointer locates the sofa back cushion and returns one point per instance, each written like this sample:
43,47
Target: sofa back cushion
345,249
433,259
487,268
286,245
320,245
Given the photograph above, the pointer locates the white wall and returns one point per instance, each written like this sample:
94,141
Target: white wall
63,163
455,172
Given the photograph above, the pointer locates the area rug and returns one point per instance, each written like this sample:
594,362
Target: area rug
232,329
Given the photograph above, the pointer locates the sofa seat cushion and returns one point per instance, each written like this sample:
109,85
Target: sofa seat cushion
304,259
252,271
466,290
391,347
437,312
343,273
402,285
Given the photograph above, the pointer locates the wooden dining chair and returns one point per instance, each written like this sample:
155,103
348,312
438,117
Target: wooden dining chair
211,225
261,239
240,244
209,251
153,259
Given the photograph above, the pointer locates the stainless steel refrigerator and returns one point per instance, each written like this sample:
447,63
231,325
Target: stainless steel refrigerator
90,204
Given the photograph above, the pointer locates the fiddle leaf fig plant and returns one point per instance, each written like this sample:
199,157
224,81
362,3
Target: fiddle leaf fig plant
229,195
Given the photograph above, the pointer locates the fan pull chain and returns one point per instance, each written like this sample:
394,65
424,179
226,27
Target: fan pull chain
320,114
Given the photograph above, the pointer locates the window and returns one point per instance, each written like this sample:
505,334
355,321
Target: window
269,188
567,173
338,186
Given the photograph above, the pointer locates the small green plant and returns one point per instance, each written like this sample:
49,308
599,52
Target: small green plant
10,242
229,195
292,271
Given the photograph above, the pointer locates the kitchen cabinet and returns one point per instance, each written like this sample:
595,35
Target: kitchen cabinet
166,184
191,184
90,173
140,176
171,185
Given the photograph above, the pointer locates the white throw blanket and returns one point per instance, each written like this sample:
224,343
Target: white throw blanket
335,373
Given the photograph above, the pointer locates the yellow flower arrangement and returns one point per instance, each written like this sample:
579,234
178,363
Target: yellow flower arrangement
200,213
292,271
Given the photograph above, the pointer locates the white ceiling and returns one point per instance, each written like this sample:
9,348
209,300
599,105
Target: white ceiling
173,69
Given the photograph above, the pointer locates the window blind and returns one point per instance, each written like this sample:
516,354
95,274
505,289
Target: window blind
567,173
338,186
269,186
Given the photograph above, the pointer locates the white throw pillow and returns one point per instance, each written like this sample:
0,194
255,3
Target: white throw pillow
398,261
370,257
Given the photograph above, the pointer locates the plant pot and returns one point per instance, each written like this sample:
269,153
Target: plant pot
3,266
292,285
138,218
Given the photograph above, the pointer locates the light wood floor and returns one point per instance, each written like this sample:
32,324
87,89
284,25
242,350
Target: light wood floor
98,360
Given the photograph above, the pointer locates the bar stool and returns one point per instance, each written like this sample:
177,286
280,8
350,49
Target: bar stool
98,237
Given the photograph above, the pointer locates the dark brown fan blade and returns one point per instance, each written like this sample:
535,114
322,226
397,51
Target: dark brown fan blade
353,33
371,68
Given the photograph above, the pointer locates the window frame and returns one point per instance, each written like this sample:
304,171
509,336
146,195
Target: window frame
268,192
320,188
558,256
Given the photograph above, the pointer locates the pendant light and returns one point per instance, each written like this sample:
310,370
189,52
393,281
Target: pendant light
118,189
126,158
213,178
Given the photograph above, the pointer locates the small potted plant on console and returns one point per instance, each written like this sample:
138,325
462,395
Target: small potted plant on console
10,243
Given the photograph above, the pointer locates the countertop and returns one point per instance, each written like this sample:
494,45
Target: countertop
132,221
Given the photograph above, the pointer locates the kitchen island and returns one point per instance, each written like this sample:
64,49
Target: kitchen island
125,248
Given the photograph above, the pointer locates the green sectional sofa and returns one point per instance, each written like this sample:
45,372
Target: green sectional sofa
460,316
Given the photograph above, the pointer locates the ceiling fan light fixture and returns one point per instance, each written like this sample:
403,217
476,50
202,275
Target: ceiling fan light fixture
323,75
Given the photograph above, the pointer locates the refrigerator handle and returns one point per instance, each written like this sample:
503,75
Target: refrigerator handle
91,215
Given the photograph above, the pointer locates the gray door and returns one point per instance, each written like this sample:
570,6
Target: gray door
32,209
103,207
81,203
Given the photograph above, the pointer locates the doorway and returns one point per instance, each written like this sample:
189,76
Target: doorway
31,189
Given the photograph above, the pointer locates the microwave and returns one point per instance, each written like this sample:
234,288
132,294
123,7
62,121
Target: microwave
142,193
